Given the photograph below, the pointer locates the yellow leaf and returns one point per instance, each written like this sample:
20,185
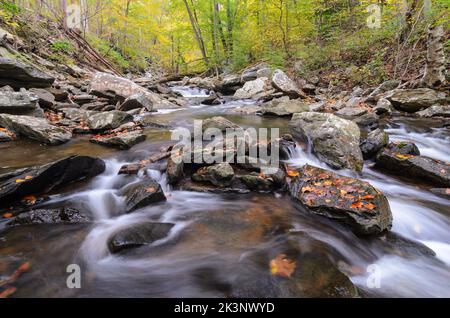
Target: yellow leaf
282,266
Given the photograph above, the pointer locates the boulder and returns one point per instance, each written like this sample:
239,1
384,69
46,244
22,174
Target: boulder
264,183
175,170
404,148
254,89
349,201
108,120
351,112
264,72
122,141
383,107
220,123
334,140
136,101
83,99
283,83
138,235
77,114
373,143
221,175
142,194
413,100
38,129
426,169
42,179
383,88
49,216
435,111
282,107
18,103
18,75
46,99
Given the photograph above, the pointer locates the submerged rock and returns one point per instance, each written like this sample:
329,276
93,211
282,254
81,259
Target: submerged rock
334,140
138,235
142,194
108,120
122,140
426,169
42,179
18,75
49,216
38,129
221,175
343,199
413,100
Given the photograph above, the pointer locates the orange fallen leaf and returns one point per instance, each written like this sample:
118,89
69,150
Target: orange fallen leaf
150,190
8,215
293,173
370,206
357,205
30,199
282,266
20,180
8,292
28,177
368,197
403,157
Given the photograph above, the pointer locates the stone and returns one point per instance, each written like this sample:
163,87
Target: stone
283,83
142,194
383,107
254,89
138,235
389,85
108,120
122,141
38,129
46,99
221,175
334,140
435,111
283,107
49,216
414,100
136,101
42,179
373,143
18,75
18,103
219,122
347,200
350,112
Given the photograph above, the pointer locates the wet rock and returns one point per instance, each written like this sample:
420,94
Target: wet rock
394,243
291,269
136,101
38,129
219,122
207,82
426,169
413,100
6,135
77,114
42,179
46,99
108,120
383,107
130,169
18,75
368,122
175,170
18,103
213,99
404,148
96,106
281,107
283,83
374,142
122,141
333,139
264,183
349,201
443,192
221,175
49,216
142,194
138,235
254,89
230,84
435,111
60,95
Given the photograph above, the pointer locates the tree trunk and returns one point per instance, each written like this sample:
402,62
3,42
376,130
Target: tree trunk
435,67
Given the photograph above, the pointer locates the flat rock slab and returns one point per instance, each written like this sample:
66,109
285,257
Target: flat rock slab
49,216
426,169
122,141
138,235
18,75
42,179
18,103
343,199
38,129
108,120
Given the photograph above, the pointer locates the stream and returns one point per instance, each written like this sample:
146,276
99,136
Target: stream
213,232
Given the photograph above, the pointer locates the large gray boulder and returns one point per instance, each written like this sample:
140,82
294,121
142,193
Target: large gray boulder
141,194
413,100
334,140
38,129
283,83
18,103
284,107
108,120
137,101
254,89
350,201
219,175
18,75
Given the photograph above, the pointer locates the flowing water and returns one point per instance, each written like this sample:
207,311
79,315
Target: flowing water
201,257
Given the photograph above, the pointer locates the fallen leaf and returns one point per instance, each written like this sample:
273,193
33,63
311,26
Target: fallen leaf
29,200
28,177
357,205
150,190
368,197
370,206
20,180
8,292
403,157
282,266
8,215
